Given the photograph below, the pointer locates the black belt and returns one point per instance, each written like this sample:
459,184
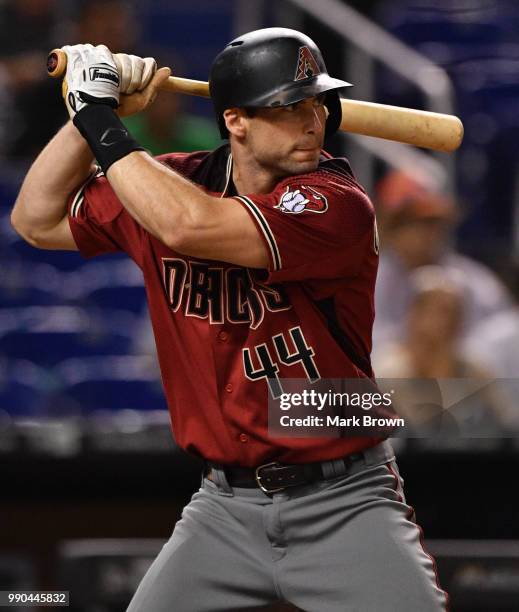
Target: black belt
274,477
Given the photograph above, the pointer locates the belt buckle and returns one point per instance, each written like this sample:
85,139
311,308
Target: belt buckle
258,477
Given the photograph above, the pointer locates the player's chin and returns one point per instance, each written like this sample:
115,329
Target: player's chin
305,160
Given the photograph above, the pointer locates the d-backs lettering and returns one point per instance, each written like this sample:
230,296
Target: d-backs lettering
220,294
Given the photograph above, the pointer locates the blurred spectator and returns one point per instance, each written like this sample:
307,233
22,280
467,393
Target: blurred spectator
28,30
166,127
431,349
108,22
416,229
168,124
495,343
430,344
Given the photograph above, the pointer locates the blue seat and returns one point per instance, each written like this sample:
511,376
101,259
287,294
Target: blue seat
26,284
415,22
25,388
49,334
477,43
9,187
63,260
108,394
19,399
112,383
129,297
163,22
49,347
113,283
12,296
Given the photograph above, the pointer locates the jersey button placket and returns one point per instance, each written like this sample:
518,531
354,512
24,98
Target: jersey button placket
223,336
229,387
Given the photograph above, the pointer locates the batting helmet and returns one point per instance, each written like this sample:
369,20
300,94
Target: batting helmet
269,68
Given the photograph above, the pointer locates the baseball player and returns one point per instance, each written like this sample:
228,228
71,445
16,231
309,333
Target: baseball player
259,260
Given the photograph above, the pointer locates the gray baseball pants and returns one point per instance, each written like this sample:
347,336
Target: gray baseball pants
345,544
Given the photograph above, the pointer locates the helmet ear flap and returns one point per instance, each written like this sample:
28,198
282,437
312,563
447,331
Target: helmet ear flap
333,104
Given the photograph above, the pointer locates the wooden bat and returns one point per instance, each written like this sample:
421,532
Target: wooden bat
411,126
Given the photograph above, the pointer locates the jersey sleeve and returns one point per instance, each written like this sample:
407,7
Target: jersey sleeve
100,224
314,226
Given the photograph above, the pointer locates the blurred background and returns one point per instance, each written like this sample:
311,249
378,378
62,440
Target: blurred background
91,482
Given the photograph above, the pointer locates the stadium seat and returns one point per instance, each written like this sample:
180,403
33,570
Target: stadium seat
104,574
477,44
47,348
112,383
17,573
479,575
48,334
18,399
109,394
28,284
24,387
116,284
128,297
63,260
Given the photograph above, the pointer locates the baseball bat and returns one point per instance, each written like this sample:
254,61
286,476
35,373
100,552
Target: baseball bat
420,128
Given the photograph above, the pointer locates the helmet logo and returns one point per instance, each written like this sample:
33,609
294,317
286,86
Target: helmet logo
296,201
306,65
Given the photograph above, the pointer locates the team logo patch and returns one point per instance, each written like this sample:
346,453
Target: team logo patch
306,65
296,201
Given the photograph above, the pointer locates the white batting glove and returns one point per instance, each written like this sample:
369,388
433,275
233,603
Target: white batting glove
91,77
135,72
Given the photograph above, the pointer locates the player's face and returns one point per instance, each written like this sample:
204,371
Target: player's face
287,140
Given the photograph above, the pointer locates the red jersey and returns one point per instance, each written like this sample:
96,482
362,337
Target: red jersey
225,334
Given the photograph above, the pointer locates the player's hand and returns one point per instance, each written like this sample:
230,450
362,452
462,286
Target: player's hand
135,72
91,78
140,100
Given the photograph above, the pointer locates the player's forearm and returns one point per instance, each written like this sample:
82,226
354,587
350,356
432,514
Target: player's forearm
166,204
59,169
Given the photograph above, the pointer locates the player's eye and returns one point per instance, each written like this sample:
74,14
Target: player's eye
317,102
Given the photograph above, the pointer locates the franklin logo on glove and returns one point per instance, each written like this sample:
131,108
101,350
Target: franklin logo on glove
104,73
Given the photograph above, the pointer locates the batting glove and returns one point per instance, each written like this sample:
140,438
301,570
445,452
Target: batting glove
135,72
91,78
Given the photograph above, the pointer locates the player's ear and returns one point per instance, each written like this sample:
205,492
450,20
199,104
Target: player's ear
236,121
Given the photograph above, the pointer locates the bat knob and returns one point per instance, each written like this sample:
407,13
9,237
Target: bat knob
52,62
56,63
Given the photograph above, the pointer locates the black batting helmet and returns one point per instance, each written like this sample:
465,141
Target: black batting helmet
272,67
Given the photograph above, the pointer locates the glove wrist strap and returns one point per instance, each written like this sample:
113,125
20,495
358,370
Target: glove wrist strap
105,133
